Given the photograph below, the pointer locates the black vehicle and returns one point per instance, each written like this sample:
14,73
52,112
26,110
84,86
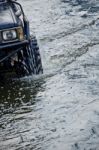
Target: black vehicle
19,52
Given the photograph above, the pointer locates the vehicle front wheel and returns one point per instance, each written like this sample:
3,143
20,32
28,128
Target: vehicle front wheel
32,57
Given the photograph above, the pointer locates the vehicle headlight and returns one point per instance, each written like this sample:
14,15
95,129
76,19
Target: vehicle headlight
13,34
9,35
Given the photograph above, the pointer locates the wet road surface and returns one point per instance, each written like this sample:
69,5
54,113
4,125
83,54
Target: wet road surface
60,109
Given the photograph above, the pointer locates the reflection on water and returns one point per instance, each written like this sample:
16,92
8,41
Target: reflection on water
15,94
18,100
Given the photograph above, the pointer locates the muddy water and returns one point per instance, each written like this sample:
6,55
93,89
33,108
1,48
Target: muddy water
60,109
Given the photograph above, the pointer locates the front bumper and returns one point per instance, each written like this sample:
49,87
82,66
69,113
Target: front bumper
14,45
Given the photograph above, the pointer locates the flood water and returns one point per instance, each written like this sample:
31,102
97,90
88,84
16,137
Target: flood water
58,110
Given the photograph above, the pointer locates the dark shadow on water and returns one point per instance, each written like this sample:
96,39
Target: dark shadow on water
17,93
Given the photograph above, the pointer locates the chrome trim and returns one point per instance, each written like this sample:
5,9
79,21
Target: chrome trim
5,42
20,43
11,28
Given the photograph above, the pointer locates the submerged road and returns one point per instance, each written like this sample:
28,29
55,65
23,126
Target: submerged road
58,110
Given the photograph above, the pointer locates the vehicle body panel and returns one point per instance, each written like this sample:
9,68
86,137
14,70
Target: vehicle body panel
7,17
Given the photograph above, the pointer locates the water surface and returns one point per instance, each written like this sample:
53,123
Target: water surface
60,109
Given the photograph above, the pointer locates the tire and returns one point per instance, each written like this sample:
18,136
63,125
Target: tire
32,57
29,60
